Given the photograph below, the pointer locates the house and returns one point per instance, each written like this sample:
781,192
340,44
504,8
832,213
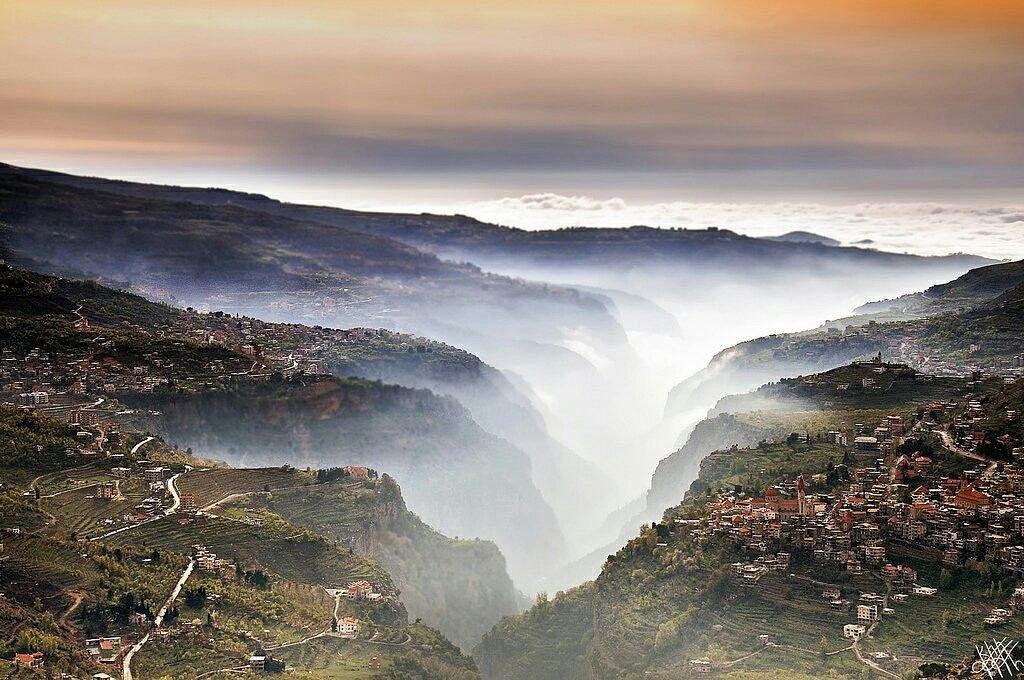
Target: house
106,490
104,650
32,660
347,626
701,666
258,663
866,443
359,590
867,612
157,474
356,471
924,590
853,631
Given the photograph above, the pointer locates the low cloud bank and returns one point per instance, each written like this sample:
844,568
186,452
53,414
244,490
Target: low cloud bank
923,228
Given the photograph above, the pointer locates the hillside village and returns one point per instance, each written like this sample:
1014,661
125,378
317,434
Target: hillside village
846,530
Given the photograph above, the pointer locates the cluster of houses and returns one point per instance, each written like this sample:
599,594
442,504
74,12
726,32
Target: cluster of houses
57,381
207,560
291,348
887,494
976,516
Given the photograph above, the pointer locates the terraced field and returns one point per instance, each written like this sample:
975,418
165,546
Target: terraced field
297,556
82,513
212,485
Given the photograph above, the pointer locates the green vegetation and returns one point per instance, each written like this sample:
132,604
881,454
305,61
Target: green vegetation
458,586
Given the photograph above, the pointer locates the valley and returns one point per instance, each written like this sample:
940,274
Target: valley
371,445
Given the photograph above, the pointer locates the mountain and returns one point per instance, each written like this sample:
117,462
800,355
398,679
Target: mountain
87,575
621,315
242,408
804,237
779,547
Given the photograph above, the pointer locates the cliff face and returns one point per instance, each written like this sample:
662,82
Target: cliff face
676,472
500,409
459,478
460,587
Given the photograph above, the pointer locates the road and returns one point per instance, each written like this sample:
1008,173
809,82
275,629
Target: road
135,449
126,663
173,490
948,442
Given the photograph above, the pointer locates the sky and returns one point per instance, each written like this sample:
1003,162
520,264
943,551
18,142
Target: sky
747,112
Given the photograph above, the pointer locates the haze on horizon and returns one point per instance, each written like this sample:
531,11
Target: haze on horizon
450,105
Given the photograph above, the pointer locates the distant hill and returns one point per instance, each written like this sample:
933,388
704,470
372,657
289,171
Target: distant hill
231,251
804,237
968,322
970,290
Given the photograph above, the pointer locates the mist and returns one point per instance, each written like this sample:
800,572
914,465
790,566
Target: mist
606,399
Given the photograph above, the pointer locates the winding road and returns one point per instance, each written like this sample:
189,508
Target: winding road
126,663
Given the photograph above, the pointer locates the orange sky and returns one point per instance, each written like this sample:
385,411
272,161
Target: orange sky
360,88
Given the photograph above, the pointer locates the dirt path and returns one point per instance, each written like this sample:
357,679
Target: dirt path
77,598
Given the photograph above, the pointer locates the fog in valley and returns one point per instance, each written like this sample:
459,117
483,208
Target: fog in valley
589,392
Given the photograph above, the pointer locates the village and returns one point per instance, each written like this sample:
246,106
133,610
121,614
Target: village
886,495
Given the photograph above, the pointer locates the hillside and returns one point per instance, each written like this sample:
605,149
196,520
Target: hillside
974,288
191,367
752,577
458,586
80,569
964,325
453,468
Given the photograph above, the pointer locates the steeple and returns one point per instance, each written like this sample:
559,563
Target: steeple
801,501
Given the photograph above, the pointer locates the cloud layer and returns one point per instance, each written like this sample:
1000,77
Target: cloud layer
925,228
931,87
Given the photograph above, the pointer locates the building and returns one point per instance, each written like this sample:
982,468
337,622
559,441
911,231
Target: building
33,660
853,631
347,626
104,650
867,612
359,590
969,498
188,502
356,471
